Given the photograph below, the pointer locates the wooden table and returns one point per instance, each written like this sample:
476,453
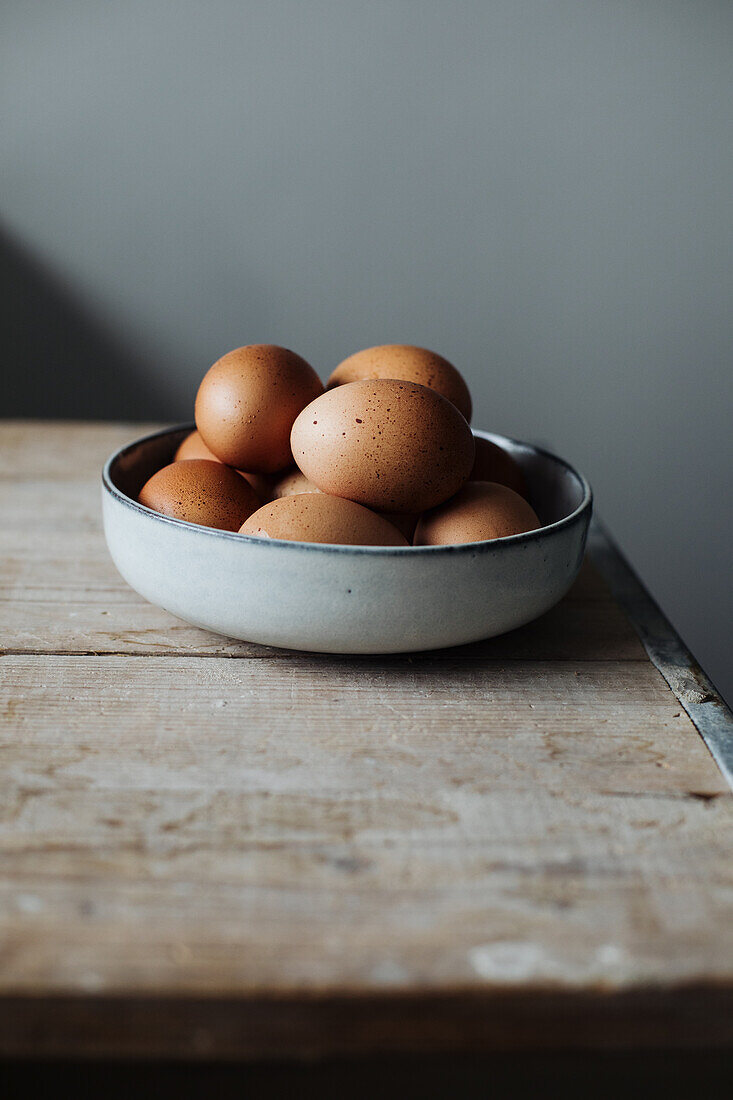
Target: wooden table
213,849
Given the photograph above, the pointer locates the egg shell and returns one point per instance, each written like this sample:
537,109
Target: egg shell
480,510
406,522
294,482
193,446
493,463
200,491
410,364
247,402
390,445
315,517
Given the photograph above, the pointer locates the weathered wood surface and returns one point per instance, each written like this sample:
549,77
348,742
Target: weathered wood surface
214,848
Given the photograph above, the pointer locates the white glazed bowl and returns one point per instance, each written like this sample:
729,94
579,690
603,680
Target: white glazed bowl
346,599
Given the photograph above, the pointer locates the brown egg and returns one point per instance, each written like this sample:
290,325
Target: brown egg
315,517
492,463
247,402
193,446
261,483
294,482
200,491
406,522
409,364
390,445
480,510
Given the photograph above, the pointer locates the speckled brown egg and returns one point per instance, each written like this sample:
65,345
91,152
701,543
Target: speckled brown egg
193,446
247,402
201,491
390,445
493,463
315,517
480,510
410,364
294,482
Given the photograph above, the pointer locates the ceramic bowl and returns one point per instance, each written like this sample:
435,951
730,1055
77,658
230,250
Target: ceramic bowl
346,599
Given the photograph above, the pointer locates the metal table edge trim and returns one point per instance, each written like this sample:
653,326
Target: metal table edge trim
696,694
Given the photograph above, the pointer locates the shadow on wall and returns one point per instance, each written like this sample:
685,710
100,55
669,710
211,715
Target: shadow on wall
58,360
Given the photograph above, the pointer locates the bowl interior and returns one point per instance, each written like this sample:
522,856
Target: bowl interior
555,489
133,465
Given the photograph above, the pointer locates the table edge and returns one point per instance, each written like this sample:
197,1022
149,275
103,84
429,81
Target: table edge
254,1027
692,688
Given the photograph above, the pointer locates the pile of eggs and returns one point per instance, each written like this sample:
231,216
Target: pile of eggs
384,456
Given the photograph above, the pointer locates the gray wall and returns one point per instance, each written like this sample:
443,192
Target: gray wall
539,190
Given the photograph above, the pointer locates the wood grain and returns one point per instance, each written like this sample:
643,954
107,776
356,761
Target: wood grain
226,804
214,849
62,450
114,620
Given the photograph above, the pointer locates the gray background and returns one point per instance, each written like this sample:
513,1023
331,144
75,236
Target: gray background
541,191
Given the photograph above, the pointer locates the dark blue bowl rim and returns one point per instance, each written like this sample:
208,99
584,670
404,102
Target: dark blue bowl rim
474,548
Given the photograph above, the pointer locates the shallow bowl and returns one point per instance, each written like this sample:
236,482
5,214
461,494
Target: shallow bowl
346,599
